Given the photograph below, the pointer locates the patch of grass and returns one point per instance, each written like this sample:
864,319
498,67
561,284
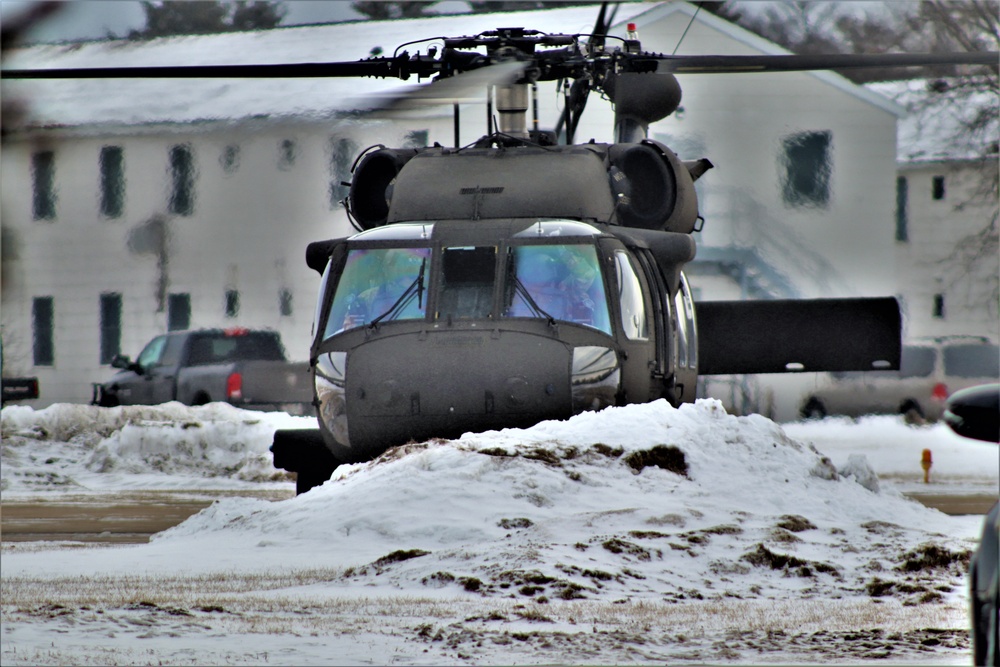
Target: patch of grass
571,591
932,557
533,615
544,455
647,534
764,557
667,457
877,588
471,584
619,546
782,535
725,529
795,523
497,451
439,578
605,450
880,527
667,520
399,555
519,522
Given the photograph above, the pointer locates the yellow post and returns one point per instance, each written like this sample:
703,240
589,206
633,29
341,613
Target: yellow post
926,463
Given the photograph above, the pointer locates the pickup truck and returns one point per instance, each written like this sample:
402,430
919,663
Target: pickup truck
20,389
243,367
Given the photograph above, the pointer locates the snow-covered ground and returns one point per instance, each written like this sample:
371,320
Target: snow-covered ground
637,534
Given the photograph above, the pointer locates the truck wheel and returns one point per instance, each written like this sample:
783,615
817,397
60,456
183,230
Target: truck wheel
813,409
912,412
201,399
108,401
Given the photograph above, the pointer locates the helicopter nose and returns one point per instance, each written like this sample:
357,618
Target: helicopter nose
446,383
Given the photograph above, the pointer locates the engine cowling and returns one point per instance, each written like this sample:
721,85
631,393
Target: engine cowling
640,185
368,199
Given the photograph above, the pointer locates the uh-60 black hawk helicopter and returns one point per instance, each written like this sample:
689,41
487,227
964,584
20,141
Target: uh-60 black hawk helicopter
517,279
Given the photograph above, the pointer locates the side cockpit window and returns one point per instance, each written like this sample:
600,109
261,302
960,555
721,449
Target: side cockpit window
635,324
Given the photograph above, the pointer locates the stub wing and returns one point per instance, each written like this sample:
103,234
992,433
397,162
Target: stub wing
798,335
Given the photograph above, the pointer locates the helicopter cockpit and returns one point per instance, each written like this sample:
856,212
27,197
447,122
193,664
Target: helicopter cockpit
513,321
549,270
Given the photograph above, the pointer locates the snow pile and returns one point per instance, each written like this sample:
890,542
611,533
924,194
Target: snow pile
639,502
637,534
83,446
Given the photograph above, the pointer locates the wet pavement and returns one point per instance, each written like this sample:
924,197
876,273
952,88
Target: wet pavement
121,518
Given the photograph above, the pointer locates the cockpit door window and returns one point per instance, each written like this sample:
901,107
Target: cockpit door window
635,323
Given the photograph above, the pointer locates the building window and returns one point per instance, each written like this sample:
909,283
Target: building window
287,152
43,331
230,159
112,165
938,312
342,153
232,303
285,302
178,312
902,195
806,165
111,326
182,175
43,179
937,187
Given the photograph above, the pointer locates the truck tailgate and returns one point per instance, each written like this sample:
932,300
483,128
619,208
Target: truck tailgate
277,384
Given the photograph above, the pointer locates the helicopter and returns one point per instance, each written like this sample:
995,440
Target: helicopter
525,277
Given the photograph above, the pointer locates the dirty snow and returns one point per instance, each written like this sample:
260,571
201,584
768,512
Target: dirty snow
637,534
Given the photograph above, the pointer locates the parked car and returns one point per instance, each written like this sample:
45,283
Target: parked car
930,370
975,413
240,366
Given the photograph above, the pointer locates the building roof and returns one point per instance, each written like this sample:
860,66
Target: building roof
130,102
936,126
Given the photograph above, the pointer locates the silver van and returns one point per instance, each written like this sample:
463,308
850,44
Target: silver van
931,369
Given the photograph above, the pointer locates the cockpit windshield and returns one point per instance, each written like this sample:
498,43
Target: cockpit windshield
551,271
557,282
380,284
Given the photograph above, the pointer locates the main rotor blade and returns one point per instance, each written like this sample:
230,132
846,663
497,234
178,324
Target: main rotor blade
797,63
464,88
383,67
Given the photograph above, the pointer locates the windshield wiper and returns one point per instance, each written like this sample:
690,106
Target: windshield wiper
522,291
416,288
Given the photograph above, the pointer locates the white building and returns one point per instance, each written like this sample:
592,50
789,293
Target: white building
948,264
133,206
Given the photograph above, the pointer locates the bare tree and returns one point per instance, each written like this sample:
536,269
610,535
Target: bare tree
932,26
199,17
397,9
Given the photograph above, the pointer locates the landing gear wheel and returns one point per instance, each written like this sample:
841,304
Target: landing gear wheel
307,479
813,409
303,452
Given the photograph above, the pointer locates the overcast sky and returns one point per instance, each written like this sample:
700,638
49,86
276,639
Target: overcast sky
95,19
